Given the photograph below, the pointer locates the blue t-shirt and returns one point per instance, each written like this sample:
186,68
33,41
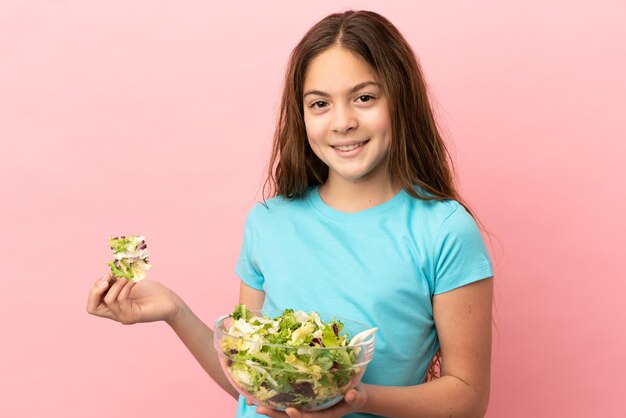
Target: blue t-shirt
380,266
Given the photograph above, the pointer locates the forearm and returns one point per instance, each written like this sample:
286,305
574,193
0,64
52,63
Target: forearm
446,397
198,338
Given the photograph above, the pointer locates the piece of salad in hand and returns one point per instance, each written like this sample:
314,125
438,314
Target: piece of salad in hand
131,257
293,360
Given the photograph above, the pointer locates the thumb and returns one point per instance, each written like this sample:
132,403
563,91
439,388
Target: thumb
355,398
293,413
351,396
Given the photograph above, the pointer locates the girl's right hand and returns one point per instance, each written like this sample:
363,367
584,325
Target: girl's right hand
131,302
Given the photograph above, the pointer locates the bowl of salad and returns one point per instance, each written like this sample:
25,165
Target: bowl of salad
303,360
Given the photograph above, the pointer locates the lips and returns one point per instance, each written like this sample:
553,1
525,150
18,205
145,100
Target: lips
350,146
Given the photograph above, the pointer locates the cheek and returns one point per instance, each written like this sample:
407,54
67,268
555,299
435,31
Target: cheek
315,142
315,147
382,124
313,133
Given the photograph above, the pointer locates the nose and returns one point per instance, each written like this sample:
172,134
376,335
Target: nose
344,120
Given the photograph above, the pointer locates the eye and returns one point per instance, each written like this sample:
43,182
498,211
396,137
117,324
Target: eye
364,98
319,104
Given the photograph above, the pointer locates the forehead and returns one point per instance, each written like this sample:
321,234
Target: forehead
337,69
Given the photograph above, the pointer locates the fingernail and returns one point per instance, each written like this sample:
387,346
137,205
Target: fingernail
103,283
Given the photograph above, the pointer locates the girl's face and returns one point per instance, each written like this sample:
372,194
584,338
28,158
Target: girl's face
346,116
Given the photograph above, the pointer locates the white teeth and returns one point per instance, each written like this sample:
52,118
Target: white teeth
349,147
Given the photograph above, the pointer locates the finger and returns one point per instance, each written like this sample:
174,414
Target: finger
114,290
125,292
353,399
95,294
352,396
124,303
356,397
110,299
293,413
345,407
270,412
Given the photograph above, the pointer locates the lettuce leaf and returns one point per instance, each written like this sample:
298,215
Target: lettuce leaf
293,359
130,257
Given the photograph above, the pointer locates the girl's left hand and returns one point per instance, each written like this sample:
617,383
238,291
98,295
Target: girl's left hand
354,400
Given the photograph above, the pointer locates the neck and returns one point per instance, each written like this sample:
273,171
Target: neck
353,196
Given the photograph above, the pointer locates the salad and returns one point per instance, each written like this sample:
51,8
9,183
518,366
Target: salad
131,257
294,359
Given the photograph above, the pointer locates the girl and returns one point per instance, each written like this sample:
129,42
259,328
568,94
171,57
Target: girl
363,222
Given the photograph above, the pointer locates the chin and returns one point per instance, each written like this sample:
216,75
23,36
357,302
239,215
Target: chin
355,178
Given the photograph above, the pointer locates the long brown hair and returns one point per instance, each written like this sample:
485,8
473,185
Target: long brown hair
417,155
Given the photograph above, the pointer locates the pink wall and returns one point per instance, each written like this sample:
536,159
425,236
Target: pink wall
155,117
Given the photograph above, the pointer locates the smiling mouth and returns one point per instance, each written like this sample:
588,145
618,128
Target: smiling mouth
350,147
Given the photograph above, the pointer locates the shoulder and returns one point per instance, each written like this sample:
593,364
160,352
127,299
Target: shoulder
277,209
280,204
451,225
439,219
435,212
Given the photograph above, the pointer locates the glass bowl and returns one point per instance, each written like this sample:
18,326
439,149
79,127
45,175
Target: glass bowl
309,378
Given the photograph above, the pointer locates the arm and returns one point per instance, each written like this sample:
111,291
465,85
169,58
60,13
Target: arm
251,297
463,321
197,336
129,303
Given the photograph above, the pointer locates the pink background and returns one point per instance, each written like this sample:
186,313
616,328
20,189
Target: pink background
121,117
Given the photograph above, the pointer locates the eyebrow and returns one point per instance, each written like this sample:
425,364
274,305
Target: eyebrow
352,90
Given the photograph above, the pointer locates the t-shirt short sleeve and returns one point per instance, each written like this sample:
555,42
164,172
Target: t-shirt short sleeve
461,256
247,267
